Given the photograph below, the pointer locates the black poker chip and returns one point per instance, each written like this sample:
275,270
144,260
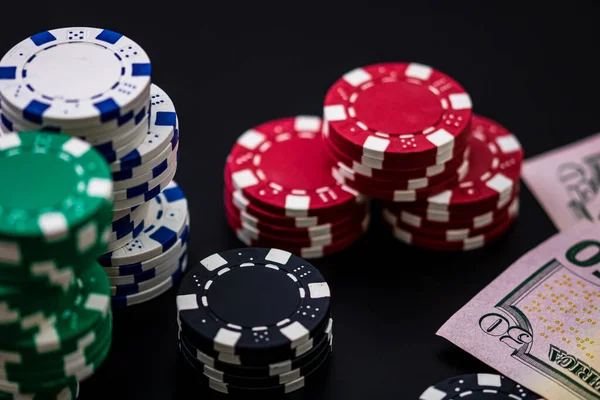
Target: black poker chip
310,362
264,392
281,371
478,387
254,303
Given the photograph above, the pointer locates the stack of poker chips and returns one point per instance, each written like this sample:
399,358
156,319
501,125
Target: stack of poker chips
55,314
254,321
111,103
279,191
405,134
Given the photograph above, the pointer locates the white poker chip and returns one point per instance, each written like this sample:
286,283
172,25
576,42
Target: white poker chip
139,267
146,196
123,285
122,219
147,295
170,209
74,74
138,190
14,120
172,147
163,125
147,176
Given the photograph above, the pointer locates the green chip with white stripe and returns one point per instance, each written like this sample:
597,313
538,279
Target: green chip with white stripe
48,335
56,204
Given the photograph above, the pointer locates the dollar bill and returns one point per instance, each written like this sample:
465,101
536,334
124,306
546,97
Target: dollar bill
566,182
538,323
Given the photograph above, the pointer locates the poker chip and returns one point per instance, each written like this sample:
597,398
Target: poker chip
46,83
478,387
269,204
496,160
149,264
456,234
225,324
231,365
254,319
456,242
46,353
66,221
169,211
396,111
263,166
152,293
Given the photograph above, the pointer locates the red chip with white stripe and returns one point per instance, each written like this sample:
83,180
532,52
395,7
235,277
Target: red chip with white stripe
495,161
283,166
397,111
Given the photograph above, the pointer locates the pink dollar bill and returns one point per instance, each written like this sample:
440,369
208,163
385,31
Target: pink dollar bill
566,182
538,323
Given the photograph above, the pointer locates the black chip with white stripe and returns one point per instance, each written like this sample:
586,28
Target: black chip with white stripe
478,387
253,303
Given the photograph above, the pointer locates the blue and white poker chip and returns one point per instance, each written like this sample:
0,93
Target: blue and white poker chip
133,139
78,74
152,277
172,147
146,196
163,125
142,266
118,140
148,274
122,241
147,176
171,210
147,295
126,225
139,190
104,135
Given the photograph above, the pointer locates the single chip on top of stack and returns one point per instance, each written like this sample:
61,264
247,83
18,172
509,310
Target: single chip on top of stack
111,103
255,321
279,191
478,387
404,133
55,315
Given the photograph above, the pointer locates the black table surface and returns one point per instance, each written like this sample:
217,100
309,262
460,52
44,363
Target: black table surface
231,67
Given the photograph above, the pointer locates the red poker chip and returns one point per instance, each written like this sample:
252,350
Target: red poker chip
470,243
495,161
304,251
396,184
420,210
403,196
408,161
243,203
397,110
264,238
450,234
447,220
390,174
282,166
331,229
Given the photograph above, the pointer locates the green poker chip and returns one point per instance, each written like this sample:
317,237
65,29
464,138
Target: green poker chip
57,367
59,333
56,209
67,389
30,300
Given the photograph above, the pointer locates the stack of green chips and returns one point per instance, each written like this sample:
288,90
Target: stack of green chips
55,220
